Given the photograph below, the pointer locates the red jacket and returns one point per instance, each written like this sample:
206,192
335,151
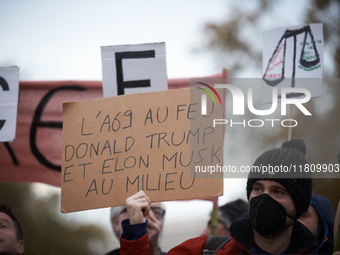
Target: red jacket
190,247
302,242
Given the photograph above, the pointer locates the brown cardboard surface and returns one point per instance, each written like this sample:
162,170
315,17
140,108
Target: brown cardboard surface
114,147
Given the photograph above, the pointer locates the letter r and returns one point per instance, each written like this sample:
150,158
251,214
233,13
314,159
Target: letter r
297,101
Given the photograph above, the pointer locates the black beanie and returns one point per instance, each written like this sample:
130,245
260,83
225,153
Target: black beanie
284,160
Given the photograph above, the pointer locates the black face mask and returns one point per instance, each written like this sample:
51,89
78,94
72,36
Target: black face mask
267,215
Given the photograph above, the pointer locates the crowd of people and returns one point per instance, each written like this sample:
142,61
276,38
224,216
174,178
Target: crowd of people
282,216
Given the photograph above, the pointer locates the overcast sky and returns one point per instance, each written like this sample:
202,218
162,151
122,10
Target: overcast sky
61,40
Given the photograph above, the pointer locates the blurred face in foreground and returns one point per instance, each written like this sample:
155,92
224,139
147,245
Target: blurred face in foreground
9,243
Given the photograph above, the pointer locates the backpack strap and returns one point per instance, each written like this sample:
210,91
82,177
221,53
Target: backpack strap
214,244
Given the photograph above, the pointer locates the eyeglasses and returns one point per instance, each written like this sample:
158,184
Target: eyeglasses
159,212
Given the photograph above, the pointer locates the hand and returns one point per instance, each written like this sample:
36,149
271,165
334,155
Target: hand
138,207
154,228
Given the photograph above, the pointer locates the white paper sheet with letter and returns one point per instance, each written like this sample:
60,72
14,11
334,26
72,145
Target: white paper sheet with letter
129,69
293,57
9,89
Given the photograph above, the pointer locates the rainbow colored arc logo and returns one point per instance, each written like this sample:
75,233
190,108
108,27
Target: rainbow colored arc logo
204,97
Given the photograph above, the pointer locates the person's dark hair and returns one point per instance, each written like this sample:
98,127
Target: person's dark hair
6,209
231,211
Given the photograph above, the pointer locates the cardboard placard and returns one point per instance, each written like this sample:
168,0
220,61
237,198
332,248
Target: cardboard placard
30,157
9,90
114,147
